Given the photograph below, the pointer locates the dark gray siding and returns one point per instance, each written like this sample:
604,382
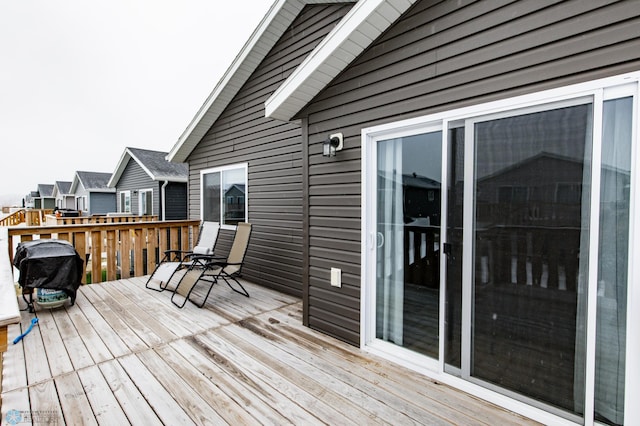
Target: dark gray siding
102,202
176,201
134,178
273,152
441,55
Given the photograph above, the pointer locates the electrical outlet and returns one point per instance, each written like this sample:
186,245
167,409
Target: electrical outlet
336,277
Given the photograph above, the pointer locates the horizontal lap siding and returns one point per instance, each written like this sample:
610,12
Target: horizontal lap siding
135,178
441,55
273,151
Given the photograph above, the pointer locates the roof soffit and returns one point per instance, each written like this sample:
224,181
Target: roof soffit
360,27
265,36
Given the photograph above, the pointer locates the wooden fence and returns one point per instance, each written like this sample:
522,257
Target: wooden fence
115,250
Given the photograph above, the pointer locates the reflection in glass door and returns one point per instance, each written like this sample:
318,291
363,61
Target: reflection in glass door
535,216
530,248
409,173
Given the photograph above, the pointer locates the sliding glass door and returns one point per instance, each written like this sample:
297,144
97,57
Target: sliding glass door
498,247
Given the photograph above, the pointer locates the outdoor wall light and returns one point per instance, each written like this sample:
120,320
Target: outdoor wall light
332,144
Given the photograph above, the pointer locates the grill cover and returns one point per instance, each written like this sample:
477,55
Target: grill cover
50,264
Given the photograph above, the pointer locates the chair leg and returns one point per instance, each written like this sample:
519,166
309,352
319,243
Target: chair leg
186,285
212,281
243,292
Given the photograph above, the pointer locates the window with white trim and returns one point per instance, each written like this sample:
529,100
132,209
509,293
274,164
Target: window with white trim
224,194
146,202
125,202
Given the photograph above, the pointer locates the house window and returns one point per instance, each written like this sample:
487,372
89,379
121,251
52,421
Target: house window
125,202
146,202
81,203
224,194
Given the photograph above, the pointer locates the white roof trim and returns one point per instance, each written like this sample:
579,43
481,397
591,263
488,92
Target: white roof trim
273,25
264,37
122,163
357,30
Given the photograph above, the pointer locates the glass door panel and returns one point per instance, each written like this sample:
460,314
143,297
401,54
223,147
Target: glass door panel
613,260
530,247
409,171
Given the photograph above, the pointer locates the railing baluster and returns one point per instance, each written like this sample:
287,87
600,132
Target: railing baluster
111,255
125,252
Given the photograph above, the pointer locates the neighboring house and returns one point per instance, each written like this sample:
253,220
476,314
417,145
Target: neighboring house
29,199
147,184
45,198
92,194
62,193
522,118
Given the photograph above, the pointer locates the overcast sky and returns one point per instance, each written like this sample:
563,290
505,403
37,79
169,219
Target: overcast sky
80,80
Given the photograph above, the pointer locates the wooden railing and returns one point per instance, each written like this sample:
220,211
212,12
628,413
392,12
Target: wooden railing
53,220
36,217
119,250
15,218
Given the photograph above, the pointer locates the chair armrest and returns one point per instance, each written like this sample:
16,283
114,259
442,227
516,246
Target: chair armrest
206,258
178,255
223,262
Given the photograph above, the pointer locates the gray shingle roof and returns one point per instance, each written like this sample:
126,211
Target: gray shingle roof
45,190
64,187
94,180
155,162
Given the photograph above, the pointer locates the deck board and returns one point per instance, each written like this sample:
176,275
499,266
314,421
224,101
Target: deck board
103,402
132,403
74,402
124,354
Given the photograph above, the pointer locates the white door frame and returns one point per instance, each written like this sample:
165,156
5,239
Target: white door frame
598,90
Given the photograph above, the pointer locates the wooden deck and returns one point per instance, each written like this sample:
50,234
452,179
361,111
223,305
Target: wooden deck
125,355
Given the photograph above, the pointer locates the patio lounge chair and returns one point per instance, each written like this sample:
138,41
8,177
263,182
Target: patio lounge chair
175,260
215,269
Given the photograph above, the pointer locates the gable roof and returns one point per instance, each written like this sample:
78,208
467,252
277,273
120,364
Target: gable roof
92,181
264,37
45,190
154,164
367,20
62,187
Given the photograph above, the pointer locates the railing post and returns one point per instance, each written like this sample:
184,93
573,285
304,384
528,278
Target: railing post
80,244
